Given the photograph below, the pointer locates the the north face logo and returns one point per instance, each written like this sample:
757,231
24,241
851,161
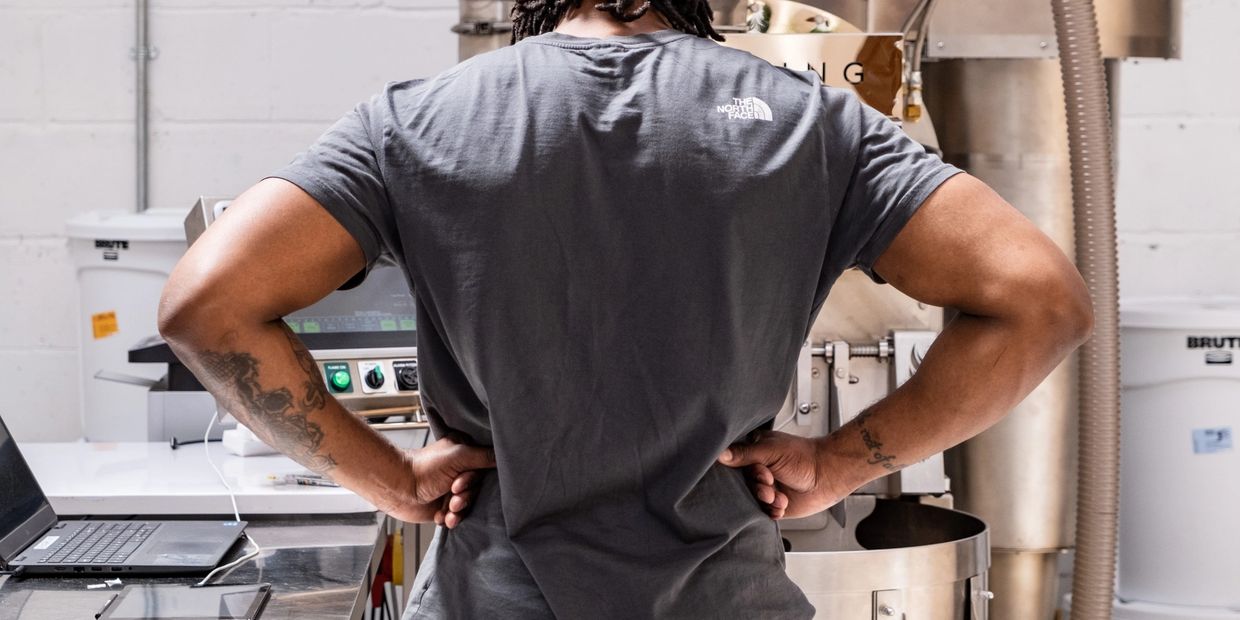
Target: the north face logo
750,108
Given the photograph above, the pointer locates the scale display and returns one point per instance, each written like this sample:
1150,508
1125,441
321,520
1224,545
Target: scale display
381,303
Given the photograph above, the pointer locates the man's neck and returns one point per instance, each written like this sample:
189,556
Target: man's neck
589,22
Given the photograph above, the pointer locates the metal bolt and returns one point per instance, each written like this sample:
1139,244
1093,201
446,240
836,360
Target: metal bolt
840,373
853,379
887,610
815,372
803,408
940,44
987,594
1042,44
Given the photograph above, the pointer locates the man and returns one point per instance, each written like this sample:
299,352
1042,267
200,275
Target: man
613,273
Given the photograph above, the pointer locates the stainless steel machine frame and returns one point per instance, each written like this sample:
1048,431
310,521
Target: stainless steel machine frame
910,561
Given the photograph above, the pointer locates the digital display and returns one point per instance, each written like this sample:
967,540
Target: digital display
381,303
20,496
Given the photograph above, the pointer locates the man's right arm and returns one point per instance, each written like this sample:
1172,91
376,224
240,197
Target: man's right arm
1023,308
274,251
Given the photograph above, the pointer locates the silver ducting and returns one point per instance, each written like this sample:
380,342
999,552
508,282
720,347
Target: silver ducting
1093,198
1016,135
997,94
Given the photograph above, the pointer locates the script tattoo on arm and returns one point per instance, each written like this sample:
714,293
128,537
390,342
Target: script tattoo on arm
876,457
285,418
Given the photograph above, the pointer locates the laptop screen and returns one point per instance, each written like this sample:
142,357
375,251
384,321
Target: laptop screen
20,495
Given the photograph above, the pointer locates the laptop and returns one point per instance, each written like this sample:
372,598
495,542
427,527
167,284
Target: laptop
34,539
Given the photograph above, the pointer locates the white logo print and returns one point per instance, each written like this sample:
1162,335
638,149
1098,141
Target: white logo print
750,108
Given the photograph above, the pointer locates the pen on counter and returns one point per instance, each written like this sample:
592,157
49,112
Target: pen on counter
106,606
308,479
313,481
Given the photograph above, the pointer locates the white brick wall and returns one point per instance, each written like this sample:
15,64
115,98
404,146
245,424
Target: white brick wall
240,86
1179,127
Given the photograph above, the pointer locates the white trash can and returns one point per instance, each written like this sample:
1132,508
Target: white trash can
1180,473
123,260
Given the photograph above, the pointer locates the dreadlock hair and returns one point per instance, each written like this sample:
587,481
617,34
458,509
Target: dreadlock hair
535,17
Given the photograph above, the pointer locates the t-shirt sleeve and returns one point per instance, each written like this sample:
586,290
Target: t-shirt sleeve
342,171
891,177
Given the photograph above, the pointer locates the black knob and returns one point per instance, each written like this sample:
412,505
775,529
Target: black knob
374,378
407,378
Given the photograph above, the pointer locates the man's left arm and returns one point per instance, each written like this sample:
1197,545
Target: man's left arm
1022,307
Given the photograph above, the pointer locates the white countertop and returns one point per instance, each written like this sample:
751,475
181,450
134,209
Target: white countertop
153,479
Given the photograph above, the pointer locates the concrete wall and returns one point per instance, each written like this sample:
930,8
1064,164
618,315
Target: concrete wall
238,88
241,86
1179,131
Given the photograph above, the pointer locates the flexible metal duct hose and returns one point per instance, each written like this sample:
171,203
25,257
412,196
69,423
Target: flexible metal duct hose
1093,201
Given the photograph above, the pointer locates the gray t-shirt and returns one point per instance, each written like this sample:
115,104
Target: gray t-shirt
616,248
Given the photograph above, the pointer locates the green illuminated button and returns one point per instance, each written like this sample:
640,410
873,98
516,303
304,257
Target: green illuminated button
341,380
338,377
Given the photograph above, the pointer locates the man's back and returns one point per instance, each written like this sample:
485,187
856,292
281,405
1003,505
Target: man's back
617,247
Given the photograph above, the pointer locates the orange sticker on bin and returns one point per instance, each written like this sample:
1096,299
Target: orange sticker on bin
104,324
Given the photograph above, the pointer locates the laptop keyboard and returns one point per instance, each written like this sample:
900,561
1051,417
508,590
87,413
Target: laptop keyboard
100,543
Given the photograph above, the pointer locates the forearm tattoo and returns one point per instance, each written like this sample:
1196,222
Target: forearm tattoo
284,417
875,447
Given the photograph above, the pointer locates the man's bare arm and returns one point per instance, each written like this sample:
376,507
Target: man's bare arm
1023,308
275,251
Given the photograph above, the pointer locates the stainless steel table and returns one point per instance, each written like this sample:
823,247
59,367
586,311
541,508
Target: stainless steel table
320,568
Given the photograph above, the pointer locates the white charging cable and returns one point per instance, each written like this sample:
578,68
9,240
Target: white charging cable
236,513
781,425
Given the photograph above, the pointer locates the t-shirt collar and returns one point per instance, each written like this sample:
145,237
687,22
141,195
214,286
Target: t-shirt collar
645,39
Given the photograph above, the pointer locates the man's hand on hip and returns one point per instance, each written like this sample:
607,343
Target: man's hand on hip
445,474
783,473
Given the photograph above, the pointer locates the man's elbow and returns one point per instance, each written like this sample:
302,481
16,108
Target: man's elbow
1067,308
192,314
176,320
1084,316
